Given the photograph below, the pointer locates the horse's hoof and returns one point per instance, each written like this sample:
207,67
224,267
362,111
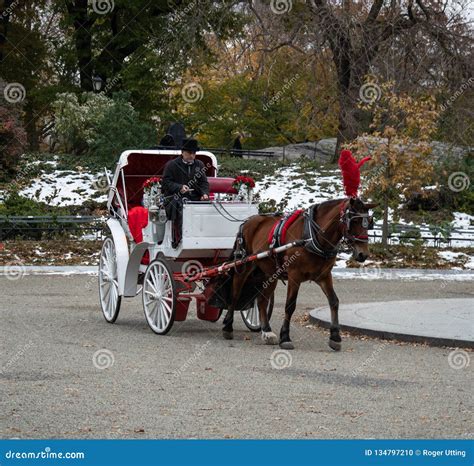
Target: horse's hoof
269,338
335,345
288,345
227,335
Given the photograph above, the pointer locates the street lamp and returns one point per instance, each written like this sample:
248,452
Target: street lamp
97,83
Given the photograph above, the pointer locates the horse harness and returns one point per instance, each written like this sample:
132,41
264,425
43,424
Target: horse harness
311,230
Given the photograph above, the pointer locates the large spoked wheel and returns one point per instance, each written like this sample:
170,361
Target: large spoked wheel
108,281
251,317
159,298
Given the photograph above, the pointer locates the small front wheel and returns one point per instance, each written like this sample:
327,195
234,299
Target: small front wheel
108,281
159,297
251,317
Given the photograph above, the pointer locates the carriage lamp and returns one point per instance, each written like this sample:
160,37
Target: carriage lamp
97,83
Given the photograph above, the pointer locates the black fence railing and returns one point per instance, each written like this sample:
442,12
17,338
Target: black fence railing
44,227
240,152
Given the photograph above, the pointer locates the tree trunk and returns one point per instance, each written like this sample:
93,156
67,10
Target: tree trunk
31,121
83,41
4,19
385,222
349,120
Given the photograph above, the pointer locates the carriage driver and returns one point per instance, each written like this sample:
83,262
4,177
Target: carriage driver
186,175
184,178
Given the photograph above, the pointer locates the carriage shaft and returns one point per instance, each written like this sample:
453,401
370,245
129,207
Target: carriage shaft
213,271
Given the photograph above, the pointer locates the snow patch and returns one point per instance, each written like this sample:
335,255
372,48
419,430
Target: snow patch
64,188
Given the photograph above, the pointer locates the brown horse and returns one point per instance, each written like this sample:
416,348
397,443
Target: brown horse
327,224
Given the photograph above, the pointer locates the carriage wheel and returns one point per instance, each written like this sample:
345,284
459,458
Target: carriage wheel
159,297
251,316
108,281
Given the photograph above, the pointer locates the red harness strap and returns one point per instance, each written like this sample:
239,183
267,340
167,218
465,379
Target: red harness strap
287,222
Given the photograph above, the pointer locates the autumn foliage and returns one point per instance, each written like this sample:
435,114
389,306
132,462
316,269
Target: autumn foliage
399,143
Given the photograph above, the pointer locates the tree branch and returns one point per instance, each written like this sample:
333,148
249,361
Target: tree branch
374,11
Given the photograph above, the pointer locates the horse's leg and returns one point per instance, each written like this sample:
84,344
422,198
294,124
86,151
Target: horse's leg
328,289
263,302
227,330
291,297
238,282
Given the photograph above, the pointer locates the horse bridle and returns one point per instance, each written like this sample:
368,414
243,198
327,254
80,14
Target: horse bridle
347,216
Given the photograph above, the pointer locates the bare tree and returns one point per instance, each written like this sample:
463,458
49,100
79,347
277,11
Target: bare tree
361,34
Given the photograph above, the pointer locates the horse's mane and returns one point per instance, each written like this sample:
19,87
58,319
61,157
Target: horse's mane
331,202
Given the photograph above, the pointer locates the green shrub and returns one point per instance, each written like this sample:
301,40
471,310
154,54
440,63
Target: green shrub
76,119
17,206
458,197
120,129
99,126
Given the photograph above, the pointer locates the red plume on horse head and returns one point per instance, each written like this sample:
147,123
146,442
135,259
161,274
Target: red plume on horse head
350,169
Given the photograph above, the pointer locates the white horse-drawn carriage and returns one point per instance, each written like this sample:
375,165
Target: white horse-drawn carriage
138,255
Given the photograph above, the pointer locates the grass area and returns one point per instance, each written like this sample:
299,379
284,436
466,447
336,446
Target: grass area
52,252
257,169
414,256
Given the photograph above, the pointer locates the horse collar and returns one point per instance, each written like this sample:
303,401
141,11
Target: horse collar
310,235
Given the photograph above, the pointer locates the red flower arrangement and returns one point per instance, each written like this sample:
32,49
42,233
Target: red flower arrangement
243,180
151,182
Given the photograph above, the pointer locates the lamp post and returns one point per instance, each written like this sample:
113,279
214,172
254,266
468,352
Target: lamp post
97,83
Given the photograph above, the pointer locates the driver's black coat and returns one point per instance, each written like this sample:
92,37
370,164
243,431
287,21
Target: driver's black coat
177,173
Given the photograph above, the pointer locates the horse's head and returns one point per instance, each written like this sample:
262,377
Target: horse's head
356,222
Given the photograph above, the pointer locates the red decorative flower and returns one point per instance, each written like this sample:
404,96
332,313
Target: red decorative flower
150,182
243,180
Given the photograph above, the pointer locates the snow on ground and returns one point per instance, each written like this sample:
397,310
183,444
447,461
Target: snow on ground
291,184
63,188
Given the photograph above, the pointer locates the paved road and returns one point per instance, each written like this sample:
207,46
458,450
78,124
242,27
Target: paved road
192,383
